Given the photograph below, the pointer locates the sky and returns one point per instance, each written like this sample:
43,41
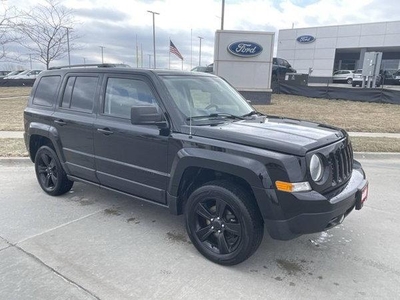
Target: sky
120,25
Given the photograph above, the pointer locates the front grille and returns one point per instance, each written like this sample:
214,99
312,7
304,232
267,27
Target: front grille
341,162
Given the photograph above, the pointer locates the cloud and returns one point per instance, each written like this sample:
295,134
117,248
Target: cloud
116,24
102,14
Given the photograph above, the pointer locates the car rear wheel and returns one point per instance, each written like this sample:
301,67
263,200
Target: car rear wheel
223,222
49,172
349,80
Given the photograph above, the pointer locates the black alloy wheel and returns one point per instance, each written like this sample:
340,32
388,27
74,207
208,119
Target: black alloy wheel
49,172
223,222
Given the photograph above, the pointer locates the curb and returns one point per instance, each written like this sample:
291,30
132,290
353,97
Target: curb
376,155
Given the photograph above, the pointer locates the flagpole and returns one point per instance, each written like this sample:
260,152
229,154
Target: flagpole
137,54
141,55
169,54
191,48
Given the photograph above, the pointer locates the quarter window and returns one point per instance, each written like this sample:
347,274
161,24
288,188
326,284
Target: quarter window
45,94
122,94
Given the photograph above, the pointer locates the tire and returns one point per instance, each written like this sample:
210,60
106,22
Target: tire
353,84
223,222
49,172
349,80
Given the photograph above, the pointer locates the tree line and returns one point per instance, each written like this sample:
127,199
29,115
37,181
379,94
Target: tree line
45,31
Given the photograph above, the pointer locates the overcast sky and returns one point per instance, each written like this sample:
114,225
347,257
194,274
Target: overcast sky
117,24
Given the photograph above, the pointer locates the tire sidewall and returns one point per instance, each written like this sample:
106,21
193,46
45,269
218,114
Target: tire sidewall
60,172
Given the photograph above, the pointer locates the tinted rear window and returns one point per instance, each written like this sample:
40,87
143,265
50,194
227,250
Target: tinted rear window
46,90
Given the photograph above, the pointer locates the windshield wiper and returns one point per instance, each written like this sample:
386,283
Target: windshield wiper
253,112
216,115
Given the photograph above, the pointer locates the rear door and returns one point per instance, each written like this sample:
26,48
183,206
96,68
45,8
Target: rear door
74,120
130,158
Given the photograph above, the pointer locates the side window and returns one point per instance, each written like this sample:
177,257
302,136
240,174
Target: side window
122,94
79,93
46,90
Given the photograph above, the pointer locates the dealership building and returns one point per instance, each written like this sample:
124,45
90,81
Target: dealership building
323,50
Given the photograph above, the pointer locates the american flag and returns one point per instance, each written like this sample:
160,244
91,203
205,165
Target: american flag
174,50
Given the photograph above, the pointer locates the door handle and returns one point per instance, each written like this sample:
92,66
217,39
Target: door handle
60,122
105,131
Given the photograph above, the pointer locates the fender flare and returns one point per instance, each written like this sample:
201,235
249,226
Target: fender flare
49,132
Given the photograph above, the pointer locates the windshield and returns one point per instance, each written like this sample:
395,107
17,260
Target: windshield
197,96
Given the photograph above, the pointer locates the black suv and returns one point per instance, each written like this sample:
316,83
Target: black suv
189,142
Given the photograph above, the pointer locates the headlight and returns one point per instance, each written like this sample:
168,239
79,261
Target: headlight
316,169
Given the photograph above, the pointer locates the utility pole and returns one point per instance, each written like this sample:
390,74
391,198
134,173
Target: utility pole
149,60
200,38
154,35
30,60
222,14
69,55
102,52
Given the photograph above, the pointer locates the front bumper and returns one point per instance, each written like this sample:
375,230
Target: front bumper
310,212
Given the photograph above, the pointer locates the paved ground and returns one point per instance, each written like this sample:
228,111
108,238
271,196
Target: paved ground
93,244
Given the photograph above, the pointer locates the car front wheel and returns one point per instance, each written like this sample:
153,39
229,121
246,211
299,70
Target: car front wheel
49,172
349,80
223,222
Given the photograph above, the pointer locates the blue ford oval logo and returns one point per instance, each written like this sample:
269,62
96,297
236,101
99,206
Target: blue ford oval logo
305,39
245,49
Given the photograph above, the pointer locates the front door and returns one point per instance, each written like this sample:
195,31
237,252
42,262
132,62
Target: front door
130,158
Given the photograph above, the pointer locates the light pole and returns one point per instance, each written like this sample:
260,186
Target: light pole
154,35
69,55
200,38
149,60
30,60
222,14
102,57
69,52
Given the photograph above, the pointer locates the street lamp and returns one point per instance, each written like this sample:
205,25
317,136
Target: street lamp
154,35
222,14
102,52
69,53
200,38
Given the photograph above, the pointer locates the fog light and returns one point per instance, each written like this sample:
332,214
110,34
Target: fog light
292,187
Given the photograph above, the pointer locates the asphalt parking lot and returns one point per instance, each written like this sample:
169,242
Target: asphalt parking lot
94,244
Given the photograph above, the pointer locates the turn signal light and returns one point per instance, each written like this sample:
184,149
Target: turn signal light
290,187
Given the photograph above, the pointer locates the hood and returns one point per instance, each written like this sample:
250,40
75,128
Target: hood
274,133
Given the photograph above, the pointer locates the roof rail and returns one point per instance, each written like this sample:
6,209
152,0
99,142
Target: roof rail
92,65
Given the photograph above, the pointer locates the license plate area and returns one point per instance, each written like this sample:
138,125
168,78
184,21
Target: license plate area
361,196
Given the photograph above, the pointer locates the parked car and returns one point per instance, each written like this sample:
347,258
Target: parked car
343,76
189,142
207,69
358,79
396,77
4,73
28,74
280,67
12,74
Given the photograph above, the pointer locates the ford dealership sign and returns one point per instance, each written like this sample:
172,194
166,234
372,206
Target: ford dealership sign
305,39
245,49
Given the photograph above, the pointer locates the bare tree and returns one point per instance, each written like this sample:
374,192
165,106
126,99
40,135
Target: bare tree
7,33
47,31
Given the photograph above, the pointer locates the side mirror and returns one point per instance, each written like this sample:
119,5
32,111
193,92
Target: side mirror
147,115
